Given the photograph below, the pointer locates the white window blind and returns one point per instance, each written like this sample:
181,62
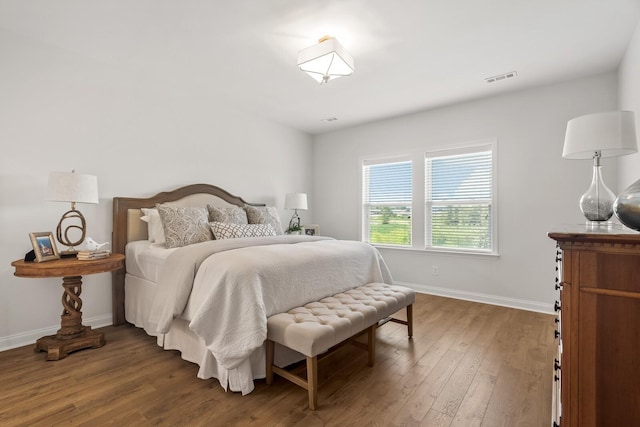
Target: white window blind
459,199
386,201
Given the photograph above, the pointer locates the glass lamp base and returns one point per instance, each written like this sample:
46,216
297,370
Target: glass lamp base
597,203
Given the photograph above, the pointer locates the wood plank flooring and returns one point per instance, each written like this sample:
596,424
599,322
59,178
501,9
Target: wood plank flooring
469,364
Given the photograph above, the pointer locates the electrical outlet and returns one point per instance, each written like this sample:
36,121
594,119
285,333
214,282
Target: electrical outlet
435,270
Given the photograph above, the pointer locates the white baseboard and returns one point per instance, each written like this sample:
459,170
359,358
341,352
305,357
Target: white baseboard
30,337
483,298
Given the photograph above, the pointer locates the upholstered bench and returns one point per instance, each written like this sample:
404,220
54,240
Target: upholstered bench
324,325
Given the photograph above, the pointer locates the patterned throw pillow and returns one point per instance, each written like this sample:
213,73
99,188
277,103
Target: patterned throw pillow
227,230
234,214
264,215
184,226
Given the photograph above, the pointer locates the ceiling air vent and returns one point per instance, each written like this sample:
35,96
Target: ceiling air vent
499,77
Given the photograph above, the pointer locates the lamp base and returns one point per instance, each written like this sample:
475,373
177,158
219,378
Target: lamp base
597,203
598,225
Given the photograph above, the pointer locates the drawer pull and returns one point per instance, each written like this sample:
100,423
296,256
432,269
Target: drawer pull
556,365
556,334
556,306
556,378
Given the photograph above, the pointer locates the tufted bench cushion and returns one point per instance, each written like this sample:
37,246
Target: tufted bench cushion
318,326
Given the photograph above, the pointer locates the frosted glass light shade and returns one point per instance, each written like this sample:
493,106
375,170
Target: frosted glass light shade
611,133
295,201
326,60
72,187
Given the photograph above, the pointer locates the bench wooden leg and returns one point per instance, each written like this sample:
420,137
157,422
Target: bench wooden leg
312,381
371,342
269,357
408,322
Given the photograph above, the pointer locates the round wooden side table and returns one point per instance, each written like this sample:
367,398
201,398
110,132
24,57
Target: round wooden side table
72,335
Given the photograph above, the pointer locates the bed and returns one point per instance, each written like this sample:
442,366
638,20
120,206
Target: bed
210,298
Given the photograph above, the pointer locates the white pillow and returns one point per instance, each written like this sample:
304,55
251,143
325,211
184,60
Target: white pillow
229,230
154,225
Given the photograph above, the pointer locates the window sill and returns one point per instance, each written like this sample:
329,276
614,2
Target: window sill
438,251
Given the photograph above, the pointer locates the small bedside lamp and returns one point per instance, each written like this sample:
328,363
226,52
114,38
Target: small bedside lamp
74,188
295,201
596,136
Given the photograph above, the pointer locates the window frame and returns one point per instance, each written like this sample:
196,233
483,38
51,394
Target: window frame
419,207
365,223
478,147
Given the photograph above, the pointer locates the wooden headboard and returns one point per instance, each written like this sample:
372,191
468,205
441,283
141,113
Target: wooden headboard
128,227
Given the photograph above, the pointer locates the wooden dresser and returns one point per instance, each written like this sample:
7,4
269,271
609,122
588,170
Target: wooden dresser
597,371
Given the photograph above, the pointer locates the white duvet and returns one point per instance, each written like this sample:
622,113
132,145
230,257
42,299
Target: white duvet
228,288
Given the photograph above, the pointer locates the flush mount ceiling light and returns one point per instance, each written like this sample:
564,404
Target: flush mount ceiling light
326,60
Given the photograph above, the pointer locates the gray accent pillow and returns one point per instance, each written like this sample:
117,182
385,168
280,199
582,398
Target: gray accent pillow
227,230
234,214
184,226
264,215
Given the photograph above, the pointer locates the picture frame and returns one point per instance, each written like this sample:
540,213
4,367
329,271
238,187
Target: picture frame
44,246
311,229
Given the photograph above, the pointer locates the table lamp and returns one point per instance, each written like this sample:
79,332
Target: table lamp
295,201
596,136
74,188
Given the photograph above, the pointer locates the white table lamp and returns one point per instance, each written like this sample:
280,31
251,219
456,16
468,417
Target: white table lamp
74,188
295,201
596,136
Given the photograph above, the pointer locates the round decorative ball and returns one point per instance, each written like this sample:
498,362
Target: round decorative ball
627,206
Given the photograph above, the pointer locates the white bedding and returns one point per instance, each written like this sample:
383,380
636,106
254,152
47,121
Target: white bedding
225,290
145,259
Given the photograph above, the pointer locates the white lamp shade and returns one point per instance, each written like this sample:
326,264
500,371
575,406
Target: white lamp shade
326,60
612,133
295,201
72,187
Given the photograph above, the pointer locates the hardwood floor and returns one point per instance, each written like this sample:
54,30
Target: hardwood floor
468,364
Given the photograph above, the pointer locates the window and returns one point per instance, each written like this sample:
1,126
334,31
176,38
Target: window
459,199
386,197
438,200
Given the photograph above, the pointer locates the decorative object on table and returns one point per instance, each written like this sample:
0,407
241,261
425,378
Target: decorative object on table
44,247
596,136
627,206
311,229
326,60
295,201
96,254
74,188
92,245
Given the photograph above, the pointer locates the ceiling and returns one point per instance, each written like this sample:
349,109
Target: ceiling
409,55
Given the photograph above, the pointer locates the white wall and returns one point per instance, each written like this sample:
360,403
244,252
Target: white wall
60,111
629,95
537,189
